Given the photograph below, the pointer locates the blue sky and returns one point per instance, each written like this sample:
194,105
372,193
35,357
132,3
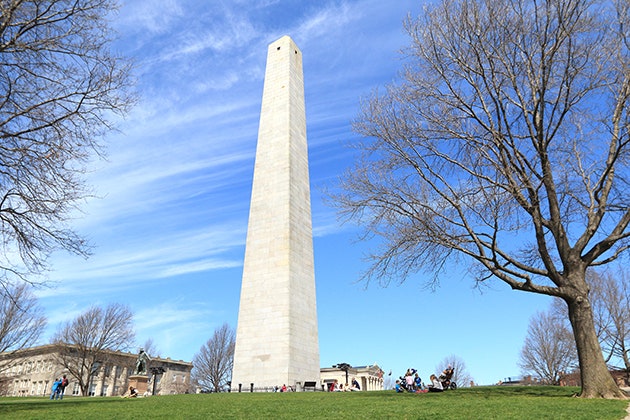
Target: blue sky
169,227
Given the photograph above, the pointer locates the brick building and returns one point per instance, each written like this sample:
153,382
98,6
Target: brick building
573,379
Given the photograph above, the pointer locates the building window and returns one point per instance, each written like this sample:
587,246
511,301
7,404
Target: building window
76,389
104,391
92,390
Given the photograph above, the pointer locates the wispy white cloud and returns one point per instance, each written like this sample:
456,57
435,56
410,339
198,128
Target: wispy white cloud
222,82
170,322
171,313
142,261
153,16
326,21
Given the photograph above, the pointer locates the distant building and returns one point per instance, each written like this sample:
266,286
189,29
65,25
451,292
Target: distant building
370,377
32,371
574,379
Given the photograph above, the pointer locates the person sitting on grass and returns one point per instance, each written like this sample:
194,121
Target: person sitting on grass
417,383
399,387
133,393
334,386
436,385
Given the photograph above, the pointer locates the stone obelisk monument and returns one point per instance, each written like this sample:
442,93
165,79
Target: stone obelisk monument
276,336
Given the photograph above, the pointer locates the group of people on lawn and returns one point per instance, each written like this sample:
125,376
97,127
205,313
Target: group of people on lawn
412,382
60,384
335,386
59,388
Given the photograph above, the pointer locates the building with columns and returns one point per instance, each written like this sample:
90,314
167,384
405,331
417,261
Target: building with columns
370,377
32,371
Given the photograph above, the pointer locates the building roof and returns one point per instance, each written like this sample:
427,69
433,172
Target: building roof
51,348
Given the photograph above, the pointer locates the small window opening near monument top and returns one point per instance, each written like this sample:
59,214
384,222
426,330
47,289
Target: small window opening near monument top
296,51
278,48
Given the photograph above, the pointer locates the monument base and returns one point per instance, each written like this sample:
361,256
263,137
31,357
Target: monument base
140,383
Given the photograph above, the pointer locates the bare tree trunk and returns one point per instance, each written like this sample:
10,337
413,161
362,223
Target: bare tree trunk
597,381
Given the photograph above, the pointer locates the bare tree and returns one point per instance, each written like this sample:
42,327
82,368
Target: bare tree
212,366
549,349
150,348
611,302
22,320
461,376
506,144
83,344
59,86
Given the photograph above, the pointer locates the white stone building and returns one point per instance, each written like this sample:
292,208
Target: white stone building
370,377
32,371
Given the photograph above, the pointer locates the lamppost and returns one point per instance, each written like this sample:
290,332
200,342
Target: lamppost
156,370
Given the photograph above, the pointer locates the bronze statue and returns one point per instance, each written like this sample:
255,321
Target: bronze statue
141,363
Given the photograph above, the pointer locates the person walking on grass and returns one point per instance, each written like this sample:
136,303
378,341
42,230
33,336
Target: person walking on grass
62,386
54,395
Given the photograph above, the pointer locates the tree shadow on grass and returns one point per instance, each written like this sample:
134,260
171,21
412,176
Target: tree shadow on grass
485,392
14,406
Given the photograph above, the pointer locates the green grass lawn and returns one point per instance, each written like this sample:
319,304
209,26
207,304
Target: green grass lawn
467,403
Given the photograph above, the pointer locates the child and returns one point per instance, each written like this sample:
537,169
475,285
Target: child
55,389
399,387
418,383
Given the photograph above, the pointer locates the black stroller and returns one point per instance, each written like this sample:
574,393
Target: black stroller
445,379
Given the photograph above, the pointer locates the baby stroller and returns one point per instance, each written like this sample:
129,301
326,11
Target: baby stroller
445,379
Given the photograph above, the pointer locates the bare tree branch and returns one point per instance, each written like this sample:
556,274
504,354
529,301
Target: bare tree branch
549,349
22,320
60,85
213,364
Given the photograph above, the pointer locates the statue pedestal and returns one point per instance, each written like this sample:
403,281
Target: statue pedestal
139,382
